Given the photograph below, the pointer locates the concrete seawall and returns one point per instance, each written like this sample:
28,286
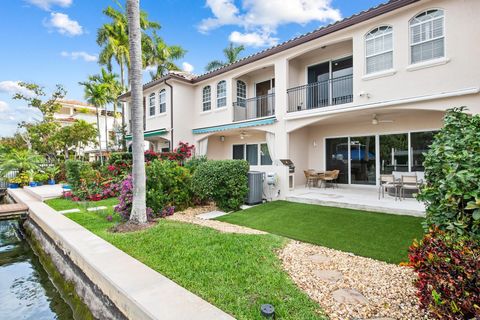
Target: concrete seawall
111,283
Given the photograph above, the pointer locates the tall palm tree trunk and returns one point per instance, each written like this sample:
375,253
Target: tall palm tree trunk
138,214
99,137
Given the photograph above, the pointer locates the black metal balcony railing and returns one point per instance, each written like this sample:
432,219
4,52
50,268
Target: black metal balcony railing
321,94
257,107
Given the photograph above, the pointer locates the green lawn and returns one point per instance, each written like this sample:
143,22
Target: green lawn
237,273
65,204
380,236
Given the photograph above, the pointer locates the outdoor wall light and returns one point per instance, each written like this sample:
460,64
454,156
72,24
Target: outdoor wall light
222,138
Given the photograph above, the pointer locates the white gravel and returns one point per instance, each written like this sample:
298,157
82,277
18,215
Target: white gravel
388,288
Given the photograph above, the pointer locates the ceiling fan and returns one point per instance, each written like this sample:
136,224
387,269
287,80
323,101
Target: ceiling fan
375,120
243,134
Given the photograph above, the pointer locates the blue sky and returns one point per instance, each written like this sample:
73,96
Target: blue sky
53,41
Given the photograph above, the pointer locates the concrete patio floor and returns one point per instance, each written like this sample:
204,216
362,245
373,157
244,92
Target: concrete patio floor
356,197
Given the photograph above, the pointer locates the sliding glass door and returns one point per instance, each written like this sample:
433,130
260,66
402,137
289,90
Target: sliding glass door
362,160
393,153
358,162
337,157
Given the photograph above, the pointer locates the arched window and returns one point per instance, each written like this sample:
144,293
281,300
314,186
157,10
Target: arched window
241,93
207,98
379,49
163,100
427,36
151,104
222,94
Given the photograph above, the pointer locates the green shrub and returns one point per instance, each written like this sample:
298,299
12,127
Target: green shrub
168,184
74,170
193,163
117,158
452,172
223,181
448,279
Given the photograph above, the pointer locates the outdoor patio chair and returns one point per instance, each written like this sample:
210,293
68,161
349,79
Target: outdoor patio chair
408,182
387,181
311,178
330,177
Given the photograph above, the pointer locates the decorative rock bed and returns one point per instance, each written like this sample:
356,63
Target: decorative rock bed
352,287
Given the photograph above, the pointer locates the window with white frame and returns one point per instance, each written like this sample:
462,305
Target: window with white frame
379,49
163,100
207,98
151,104
253,153
427,36
222,94
241,93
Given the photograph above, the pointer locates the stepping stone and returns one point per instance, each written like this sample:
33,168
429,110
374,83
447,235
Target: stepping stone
349,296
328,275
211,215
69,211
97,208
319,258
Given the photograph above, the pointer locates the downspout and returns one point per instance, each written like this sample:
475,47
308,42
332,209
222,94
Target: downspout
171,113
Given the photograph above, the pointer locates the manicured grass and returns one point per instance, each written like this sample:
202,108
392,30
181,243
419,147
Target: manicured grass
380,236
237,273
65,204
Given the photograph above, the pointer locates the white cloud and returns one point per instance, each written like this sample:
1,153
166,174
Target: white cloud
187,67
47,4
13,87
3,106
64,25
252,39
260,19
74,55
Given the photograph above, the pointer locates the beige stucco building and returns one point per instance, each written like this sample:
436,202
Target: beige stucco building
363,95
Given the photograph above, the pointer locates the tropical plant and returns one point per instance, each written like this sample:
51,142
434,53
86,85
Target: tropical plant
452,172
223,181
448,279
231,53
138,214
20,160
52,172
162,56
113,38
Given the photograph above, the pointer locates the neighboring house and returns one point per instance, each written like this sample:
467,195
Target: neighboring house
76,110
362,95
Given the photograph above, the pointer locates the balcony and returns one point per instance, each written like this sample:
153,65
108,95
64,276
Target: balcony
321,94
256,107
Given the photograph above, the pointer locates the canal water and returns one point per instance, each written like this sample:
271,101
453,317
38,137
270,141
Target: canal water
26,290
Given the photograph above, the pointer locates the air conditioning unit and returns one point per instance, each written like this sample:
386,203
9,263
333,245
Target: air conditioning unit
255,187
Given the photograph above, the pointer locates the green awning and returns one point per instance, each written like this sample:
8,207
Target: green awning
236,125
151,133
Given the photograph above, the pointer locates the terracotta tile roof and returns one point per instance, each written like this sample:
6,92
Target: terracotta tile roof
354,19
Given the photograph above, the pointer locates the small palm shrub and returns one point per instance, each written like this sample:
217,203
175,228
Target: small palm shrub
223,181
448,275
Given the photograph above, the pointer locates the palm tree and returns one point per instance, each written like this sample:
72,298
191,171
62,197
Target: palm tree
96,94
138,214
113,38
162,56
231,53
114,89
21,160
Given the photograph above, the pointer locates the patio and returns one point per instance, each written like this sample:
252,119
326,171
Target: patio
356,197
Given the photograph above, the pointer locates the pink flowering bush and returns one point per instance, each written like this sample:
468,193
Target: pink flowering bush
124,207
